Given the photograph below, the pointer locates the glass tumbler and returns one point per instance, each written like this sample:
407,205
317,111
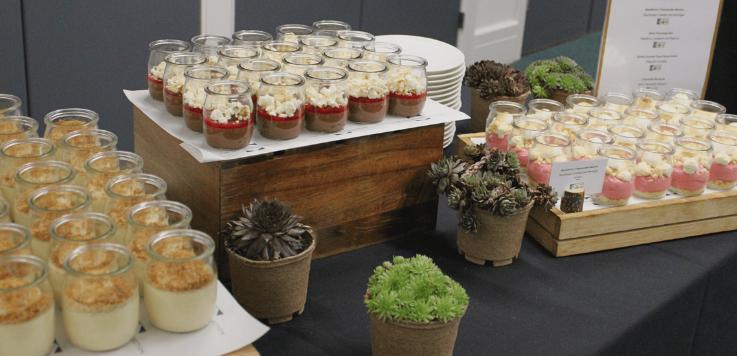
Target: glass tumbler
35,175
298,63
707,109
368,92
61,122
127,190
48,204
619,183
251,37
228,115
176,64
10,105
380,51
697,126
231,56
78,146
341,57
645,98
16,153
15,240
317,44
654,169
602,118
330,27
252,71
292,32
326,99
618,102
582,103
276,50
664,132
407,82
669,111
157,51
626,135
727,122
196,80
640,117
569,123
723,171
17,127
681,96
209,46
280,106
691,164
589,141
549,147
499,123
101,167
543,109
524,131
354,39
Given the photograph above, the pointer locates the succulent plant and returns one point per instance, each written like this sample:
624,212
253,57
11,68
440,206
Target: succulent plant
445,173
267,231
557,73
416,290
494,79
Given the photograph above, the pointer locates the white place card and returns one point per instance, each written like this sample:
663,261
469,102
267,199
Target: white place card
586,173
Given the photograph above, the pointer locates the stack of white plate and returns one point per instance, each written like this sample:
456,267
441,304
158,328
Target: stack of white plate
445,69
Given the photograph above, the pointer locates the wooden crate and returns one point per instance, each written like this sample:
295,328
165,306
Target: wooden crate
609,228
355,192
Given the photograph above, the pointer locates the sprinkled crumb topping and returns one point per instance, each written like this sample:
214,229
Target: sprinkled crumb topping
178,277
100,293
23,304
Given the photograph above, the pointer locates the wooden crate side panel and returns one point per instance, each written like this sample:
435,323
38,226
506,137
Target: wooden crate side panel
542,236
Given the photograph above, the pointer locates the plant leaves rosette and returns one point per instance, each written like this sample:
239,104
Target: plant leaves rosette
556,78
492,79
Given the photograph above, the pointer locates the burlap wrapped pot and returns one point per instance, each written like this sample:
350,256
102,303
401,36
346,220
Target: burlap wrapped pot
480,107
272,290
498,238
396,338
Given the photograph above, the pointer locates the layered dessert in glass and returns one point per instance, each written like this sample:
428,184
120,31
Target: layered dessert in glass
707,109
367,91
723,171
101,167
280,106
681,96
341,57
125,191
26,307
78,146
15,240
330,27
180,284
653,170
299,63
602,118
626,135
619,183
697,126
640,117
209,45
354,39
569,123
157,51
35,175
228,115
582,103
230,56
176,64
292,32
499,123
645,98
543,109
276,50
380,51
672,112
17,127
251,37
407,82
48,204
252,71
61,122
549,147
316,44
727,122
618,102
326,99
100,300
691,163
16,153
524,131
664,132
193,92
10,105
588,142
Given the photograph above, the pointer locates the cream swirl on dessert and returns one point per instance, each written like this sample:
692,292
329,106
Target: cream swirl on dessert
279,104
620,170
175,83
653,165
361,85
157,71
405,81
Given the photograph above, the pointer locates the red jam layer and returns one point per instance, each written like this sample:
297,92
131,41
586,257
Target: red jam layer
263,114
326,109
193,109
408,96
153,79
229,125
365,100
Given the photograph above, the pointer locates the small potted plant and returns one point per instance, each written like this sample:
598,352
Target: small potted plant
493,202
492,81
556,78
414,308
269,253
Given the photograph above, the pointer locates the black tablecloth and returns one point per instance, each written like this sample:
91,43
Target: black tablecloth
672,298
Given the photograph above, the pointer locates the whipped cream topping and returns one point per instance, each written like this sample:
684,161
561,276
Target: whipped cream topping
725,157
362,85
542,114
652,164
681,98
213,59
157,71
547,155
279,104
330,96
175,82
406,82
584,151
619,169
616,107
230,112
501,125
194,93
522,142
692,164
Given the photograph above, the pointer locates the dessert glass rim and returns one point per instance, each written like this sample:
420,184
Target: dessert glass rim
611,113
719,137
279,46
700,104
227,51
279,78
355,53
303,29
587,135
30,123
627,131
331,25
107,222
407,60
674,91
725,118
248,65
564,141
577,119
316,59
13,101
21,230
109,246
192,72
583,97
76,113
62,166
318,41
517,123
49,147
618,95
675,108
185,58
649,144
196,235
26,259
686,141
182,45
673,130
339,74
608,152
509,107
355,36
650,92
241,88
203,39
129,156
378,67
382,47
542,102
169,205
688,121
63,188
149,179
100,133
241,34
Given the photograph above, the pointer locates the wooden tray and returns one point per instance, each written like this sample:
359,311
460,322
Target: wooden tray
605,229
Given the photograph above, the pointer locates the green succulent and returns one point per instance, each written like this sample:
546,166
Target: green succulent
445,173
557,73
414,290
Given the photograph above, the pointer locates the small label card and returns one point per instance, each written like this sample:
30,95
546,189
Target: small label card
589,173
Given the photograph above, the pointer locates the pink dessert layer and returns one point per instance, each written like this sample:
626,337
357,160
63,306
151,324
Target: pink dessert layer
723,172
615,189
539,172
500,143
651,184
690,182
523,156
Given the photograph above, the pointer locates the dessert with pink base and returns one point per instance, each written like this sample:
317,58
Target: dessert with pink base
524,131
723,171
619,184
499,123
691,164
653,170
549,148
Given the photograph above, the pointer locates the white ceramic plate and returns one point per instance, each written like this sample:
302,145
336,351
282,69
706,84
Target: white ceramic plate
441,57
432,87
453,74
446,98
444,92
449,82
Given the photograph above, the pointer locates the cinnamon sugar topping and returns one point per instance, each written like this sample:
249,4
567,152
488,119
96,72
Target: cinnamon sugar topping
178,276
99,293
23,304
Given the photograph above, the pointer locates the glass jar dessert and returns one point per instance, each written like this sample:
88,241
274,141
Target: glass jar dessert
209,45
626,135
502,115
669,111
707,109
27,320
15,240
354,39
17,127
180,283
276,50
691,164
317,44
589,141
251,37
196,80
654,168
645,98
100,300
619,183
664,132
231,56
618,102
10,105
16,153
727,122
125,191
35,175
380,51
696,126
723,170
176,64
330,27
228,115
101,167
543,109
602,118
326,99
146,220
407,82
524,131
298,63
569,123
640,117
367,91
48,204
292,32
549,147
78,146
341,57
4,211
252,71
69,232
581,103
681,96
280,108
61,122
157,51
